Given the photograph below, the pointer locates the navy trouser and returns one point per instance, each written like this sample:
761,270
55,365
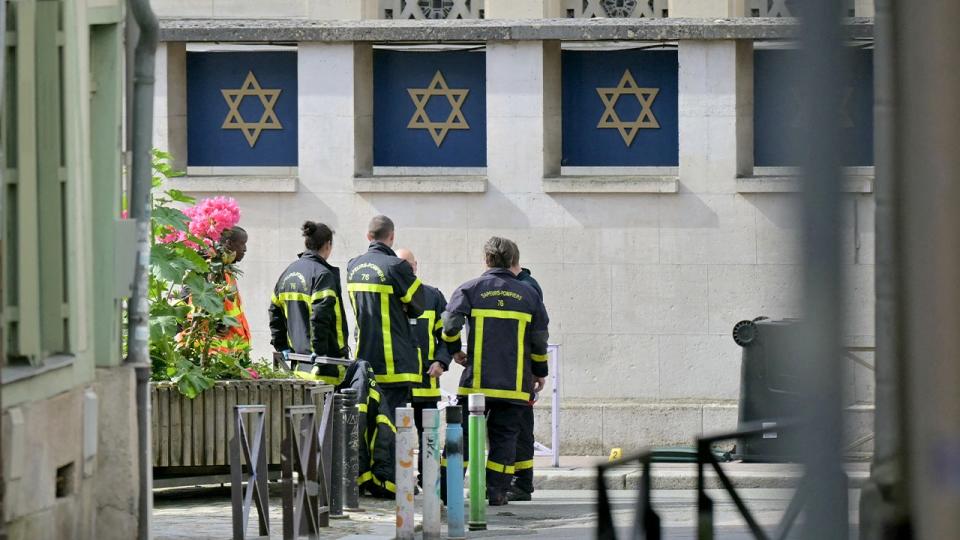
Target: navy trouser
523,465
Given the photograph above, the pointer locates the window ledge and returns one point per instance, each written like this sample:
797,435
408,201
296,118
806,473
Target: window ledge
793,184
244,184
10,374
421,184
612,184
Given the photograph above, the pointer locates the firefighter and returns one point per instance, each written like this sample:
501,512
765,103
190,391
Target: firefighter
506,358
521,488
306,312
235,247
385,294
434,357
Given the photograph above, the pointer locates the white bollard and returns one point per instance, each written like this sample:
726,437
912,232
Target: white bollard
406,472
431,474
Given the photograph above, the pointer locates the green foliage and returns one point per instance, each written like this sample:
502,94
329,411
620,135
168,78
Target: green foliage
187,288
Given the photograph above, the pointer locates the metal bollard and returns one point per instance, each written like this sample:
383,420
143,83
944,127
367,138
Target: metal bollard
430,451
454,449
336,472
406,472
351,449
478,476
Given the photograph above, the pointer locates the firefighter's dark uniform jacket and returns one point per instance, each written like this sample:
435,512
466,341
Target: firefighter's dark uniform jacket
507,343
385,294
377,433
527,277
307,314
426,334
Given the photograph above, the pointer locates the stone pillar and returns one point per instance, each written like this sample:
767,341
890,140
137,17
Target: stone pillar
342,9
335,114
170,102
708,8
527,9
716,114
523,114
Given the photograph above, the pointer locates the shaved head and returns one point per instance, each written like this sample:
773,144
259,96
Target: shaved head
408,256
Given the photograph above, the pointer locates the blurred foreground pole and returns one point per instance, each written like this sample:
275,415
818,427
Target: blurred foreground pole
927,130
884,513
821,146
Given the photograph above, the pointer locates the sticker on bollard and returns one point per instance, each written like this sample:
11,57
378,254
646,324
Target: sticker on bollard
478,476
406,472
351,448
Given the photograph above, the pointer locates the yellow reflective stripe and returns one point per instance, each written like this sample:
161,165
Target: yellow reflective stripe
341,339
477,352
398,377
356,317
499,467
233,312
521,332
383,419
387,334
430,315
495,393
370,287
539,357
437,326
426,392
374,394
294,297
320,295
362,407
365,477
522,465
443,463
451,339
410,292
501,314
275,300
388,485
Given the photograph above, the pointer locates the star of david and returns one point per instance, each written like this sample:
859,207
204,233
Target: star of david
421,120
234,120
610,119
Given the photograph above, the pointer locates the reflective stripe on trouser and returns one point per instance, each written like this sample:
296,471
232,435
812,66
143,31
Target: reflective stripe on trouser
503,426
523,466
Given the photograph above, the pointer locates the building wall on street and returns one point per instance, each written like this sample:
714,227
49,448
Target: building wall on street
643,286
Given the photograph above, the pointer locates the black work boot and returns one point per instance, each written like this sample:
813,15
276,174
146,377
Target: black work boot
496,497
516,493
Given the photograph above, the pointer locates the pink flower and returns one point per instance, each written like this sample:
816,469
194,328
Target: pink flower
210,217
253,373
124,214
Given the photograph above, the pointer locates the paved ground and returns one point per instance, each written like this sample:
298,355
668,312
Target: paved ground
555,514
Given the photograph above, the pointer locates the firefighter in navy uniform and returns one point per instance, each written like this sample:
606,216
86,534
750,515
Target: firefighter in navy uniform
434,357
385,294
306,311
521,488
506,354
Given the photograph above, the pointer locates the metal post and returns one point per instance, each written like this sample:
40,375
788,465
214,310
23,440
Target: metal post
555,406
336,459
822,67
256,457
477,427
322,396
454,449
299,473
431,474
351,450
406,472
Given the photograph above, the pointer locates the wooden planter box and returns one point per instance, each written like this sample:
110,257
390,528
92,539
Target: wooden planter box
191,436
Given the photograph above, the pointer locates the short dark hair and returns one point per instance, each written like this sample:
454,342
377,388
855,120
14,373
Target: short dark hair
316,235
380,227
231,234
500,252
516,253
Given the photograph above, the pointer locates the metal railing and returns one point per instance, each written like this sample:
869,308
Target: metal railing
647,522
256,458
300,480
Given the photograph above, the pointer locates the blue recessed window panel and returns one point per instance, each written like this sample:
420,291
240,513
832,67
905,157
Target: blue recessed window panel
429,109
242,109
620,108
779,108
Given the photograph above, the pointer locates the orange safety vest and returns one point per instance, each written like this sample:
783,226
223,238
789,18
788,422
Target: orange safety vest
233,307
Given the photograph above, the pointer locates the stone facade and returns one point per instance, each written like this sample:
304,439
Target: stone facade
643,288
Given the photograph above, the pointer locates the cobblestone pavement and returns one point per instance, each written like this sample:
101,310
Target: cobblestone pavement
204,514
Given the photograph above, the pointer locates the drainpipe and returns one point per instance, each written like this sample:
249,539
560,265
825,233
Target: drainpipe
138,331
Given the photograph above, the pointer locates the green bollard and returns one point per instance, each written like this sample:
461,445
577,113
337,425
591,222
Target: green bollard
478,475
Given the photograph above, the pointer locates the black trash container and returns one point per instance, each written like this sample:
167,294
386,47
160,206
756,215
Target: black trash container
769,387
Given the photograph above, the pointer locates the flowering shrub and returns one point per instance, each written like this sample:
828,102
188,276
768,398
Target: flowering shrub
188,285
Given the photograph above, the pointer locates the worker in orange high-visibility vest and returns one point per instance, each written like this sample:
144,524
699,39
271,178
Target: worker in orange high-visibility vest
235,243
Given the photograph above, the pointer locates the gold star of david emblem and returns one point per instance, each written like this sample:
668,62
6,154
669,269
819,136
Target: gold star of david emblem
234,120
421,120
610,119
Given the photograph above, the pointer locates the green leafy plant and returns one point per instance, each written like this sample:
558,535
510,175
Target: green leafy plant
188,283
